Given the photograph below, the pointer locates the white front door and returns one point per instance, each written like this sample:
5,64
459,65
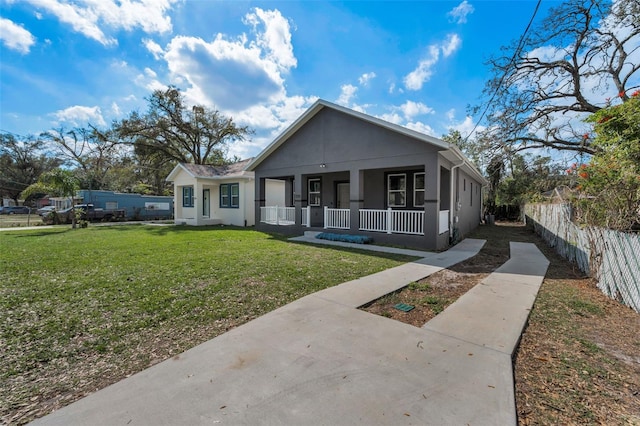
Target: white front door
343,196
206,207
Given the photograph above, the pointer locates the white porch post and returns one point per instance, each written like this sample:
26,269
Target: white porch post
324,223
389,220
308,217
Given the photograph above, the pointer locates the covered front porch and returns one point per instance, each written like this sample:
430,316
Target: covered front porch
394,205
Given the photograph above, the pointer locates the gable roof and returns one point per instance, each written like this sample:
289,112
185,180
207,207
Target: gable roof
202,171
449,151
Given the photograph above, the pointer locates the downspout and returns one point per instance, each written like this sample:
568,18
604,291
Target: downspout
452,196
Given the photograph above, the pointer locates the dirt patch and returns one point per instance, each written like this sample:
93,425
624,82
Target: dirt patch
429,297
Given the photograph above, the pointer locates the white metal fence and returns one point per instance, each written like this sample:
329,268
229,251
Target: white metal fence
276,215
337,218
612,257
392,221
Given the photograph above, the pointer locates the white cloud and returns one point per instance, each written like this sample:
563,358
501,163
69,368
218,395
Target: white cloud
347,92
366,78
79,116
392,117
115,109
421,127
412,109
89,16
15,37
275,38
451,114
416,78
459,13
452,44
235,73
154,48
465,127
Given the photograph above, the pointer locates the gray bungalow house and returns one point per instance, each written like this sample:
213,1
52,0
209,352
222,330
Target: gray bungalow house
348,172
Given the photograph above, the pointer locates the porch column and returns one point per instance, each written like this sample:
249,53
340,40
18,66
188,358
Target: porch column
297,197
356,197
260,189
431,200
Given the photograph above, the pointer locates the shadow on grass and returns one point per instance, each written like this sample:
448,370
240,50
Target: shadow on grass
43,233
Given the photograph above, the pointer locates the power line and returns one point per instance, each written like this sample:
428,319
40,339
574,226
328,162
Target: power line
504,75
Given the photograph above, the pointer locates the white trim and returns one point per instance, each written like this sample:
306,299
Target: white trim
389,190
309,192
423,190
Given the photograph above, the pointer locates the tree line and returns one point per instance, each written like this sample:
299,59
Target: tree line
134,154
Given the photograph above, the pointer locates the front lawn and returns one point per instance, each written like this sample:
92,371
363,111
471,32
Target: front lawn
80,309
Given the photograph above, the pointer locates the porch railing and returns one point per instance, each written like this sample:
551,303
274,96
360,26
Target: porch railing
392,221
276,215
337,218
305,216
443,221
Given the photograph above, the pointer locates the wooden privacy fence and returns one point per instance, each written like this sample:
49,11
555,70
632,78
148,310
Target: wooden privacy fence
612,257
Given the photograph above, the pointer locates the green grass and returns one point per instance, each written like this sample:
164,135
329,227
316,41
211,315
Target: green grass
70,295
436,304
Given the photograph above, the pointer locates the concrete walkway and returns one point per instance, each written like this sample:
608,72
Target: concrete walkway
319,360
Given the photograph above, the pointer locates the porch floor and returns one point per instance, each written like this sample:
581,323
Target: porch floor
310,237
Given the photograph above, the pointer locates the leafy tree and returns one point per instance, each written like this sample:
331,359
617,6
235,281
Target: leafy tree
91,151
610,183
542,86
22,161
179,134
527,177
57,182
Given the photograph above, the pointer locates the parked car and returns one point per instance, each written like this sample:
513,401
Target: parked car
46,210
84,212
15,210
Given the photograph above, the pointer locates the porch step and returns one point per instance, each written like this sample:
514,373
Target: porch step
311,234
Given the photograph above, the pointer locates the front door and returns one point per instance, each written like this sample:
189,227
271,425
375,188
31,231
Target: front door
343,195
205,202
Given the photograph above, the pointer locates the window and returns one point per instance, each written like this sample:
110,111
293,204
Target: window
229,195
396,190
418,190
314,192
187,196
471,190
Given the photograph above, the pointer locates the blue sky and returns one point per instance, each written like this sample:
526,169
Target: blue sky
418,64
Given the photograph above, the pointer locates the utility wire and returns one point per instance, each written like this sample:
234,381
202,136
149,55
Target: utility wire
511,63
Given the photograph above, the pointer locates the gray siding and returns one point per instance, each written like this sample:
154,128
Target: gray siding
338,147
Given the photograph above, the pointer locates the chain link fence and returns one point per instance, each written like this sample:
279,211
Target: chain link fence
612,257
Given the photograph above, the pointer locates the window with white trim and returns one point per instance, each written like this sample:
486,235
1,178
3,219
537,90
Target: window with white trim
187,196
418,190
396,190
229,195
314,192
